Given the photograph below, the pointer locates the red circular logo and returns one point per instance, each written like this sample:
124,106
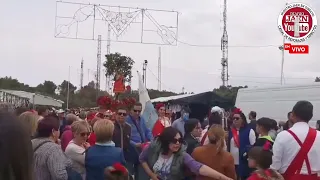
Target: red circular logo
297,22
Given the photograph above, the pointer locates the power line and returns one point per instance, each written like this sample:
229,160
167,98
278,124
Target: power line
167,87
232,46
241,76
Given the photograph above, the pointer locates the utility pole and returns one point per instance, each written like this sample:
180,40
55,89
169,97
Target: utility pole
81,75
108,79
144,74
98,66
281,48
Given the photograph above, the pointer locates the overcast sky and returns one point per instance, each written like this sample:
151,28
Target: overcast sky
30,52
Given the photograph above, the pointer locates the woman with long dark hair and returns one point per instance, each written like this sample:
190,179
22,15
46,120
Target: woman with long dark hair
240,139
165,159
192,129
16,161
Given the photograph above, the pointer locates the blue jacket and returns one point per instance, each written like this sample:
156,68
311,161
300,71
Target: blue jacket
99,157
136,137
243,169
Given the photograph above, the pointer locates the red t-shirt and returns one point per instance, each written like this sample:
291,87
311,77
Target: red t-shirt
157,128
255,175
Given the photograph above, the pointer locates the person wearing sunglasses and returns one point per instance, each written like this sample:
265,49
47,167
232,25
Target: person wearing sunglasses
122,131
241,137
78,145
166,159
140,134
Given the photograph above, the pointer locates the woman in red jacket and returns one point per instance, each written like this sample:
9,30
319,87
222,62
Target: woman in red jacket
162,122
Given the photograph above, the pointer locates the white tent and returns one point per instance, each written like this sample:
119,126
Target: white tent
34,98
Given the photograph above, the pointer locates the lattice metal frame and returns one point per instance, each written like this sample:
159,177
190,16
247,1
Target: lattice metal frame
118,21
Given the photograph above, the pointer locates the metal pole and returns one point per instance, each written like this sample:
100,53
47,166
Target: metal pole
282,60
145,64
144,72
68,88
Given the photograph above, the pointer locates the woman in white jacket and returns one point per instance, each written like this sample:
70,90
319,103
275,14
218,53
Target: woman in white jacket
78,145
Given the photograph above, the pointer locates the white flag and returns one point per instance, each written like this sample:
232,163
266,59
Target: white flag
149,114
143,92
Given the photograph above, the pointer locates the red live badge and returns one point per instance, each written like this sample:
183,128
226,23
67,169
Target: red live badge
296,49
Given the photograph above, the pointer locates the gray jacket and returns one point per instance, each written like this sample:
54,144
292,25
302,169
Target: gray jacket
177,165
49,160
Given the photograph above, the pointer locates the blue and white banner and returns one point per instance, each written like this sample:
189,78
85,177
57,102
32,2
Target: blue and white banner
149,113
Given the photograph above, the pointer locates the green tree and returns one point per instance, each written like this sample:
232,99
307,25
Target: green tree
48,88
14,84
228,92
118,64
85,97
63,88
317,79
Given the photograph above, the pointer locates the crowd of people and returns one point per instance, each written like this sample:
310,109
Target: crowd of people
103,144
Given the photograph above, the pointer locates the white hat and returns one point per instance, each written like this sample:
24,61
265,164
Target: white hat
216,109
60,111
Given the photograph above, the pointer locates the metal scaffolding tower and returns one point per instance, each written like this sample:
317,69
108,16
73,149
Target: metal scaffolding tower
98,75
159,70
81,75
224,47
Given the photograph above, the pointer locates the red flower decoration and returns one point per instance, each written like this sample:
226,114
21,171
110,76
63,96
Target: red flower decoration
237,111
132,101
126,101
120,168
104,101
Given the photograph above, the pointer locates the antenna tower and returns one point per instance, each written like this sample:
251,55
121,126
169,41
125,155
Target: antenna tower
81,75
159,70
224,47
98,65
